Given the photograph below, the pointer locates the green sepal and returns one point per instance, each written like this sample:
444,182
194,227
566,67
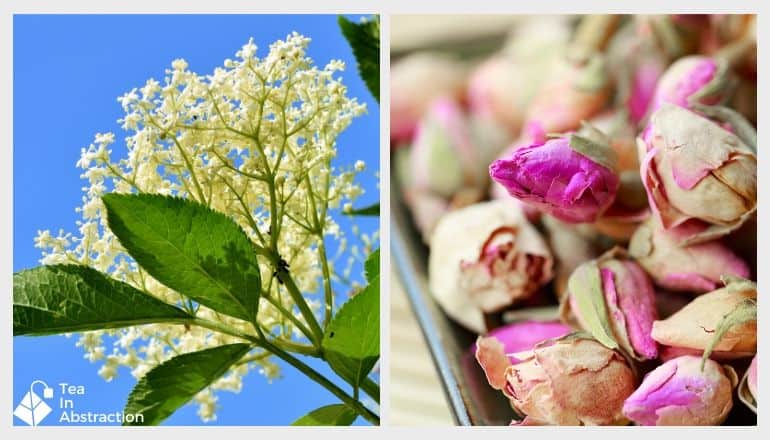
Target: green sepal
585,285
745,311
599,152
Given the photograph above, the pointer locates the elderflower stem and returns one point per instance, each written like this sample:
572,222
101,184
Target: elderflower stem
371,388
296,295
324,382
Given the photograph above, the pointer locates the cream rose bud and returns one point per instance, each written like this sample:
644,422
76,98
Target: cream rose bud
415,82
701,180
573,380
694,325
696,268
484,258
680,393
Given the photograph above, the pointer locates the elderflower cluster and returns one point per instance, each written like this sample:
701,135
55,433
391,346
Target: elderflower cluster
219,139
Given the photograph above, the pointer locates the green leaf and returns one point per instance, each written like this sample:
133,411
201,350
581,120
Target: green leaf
745,311
198,252
70,298
329,415
364,38
352,341
371,210
372,265
173,383
585,285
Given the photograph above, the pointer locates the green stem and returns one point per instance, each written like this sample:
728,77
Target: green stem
324,382
299,300
253,358
191,169
371,388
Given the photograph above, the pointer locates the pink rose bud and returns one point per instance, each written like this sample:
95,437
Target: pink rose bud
696,268
572,177
492,351
573,380
450,150
696,324
691,79
415,82
680,393
613,299
701,180
575,91
484,258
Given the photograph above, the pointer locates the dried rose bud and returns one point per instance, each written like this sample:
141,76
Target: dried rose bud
680,393
747,390
692,79
575,92
572,177
491,351
484,258
530,135
450,150
696,268
415,82
613,299
697,323
495,92
699,178
573,380
752,377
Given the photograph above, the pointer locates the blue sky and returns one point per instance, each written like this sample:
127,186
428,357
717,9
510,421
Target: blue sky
68,72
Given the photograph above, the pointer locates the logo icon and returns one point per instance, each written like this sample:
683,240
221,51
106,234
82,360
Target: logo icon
32,409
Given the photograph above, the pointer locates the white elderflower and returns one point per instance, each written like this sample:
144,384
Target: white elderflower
218,139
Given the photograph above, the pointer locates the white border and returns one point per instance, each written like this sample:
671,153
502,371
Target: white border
384,8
